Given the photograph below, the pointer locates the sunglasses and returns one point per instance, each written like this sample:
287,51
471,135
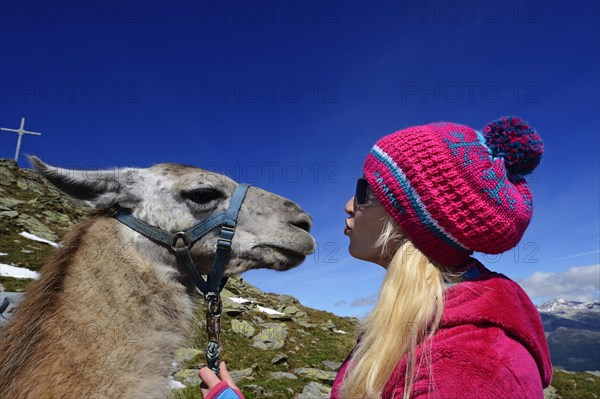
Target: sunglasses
364,195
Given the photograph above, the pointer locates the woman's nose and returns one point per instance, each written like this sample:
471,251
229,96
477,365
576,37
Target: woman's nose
349,208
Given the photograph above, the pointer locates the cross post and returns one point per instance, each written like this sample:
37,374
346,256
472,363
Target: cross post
20,131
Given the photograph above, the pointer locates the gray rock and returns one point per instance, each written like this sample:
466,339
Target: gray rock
34,226
551,393
9,214
258,391
233,308
242,327
28,185
316,374
300,313
329,325
335,366
186,354
10,202
280,317
271,337
239,375
56,218
6,178
286,299
279,359
188,377
278,375
304,324
314,390
291,309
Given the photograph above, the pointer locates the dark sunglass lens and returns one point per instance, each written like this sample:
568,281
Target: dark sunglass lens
361,191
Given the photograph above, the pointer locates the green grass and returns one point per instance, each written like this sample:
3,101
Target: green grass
576,385
14,284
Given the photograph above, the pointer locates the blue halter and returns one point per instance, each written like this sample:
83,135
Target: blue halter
180,243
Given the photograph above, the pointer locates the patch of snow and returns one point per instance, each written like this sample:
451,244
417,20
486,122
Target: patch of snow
240,300
174,384
267,310
36,238
340,331
17,272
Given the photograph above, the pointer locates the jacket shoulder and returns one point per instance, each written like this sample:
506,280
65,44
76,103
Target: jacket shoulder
472,362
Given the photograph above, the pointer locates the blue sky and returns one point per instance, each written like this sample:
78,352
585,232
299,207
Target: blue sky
290,96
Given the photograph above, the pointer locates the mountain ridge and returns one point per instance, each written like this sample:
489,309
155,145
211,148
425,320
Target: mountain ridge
562,304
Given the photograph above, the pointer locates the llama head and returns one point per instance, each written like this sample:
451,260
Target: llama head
272,231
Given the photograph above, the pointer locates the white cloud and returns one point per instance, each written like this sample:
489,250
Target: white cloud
578,283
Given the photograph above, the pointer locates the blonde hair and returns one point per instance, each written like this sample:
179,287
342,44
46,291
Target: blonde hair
410,303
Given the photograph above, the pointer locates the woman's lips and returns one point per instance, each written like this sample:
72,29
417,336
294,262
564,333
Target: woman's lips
347,229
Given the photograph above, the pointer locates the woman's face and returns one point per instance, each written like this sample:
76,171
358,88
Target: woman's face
364,225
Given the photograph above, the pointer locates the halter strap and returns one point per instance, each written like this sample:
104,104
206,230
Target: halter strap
180,243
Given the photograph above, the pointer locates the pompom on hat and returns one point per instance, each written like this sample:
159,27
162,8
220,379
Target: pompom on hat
455,190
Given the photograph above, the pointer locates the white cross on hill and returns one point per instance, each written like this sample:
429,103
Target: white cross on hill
20,131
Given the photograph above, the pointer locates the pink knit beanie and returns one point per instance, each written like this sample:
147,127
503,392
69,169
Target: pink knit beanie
455,190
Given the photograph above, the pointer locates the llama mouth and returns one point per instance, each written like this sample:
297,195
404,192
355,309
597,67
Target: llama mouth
291,257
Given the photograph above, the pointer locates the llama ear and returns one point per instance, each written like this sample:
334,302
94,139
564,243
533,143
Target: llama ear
100,188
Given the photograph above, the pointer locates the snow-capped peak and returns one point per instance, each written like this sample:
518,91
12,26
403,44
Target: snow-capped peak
561,304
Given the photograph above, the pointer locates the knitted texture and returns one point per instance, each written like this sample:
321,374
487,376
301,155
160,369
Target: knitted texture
455,190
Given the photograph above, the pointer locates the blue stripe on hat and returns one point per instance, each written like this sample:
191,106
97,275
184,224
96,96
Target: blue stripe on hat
482,141
415,200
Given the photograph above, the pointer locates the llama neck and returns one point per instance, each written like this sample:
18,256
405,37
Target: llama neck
117,322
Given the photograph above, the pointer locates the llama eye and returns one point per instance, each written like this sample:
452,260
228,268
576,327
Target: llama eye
203,195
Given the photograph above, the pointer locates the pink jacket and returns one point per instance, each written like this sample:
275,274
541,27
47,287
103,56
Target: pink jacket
491,344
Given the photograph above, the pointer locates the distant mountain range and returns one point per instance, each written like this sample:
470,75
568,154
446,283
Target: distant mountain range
573,333
564,305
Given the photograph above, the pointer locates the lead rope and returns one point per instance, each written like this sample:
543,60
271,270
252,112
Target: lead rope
214,308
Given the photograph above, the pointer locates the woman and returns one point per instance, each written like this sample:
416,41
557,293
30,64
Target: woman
444,325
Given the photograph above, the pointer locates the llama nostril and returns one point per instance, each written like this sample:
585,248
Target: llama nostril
303,222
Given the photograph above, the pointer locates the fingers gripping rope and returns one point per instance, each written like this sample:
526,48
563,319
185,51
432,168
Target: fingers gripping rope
212,357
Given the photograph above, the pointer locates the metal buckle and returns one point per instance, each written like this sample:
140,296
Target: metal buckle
223,242
214,304
176,237
228,229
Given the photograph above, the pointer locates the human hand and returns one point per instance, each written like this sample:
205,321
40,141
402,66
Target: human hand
210,381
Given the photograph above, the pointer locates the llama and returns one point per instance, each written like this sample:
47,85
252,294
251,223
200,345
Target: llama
111,307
